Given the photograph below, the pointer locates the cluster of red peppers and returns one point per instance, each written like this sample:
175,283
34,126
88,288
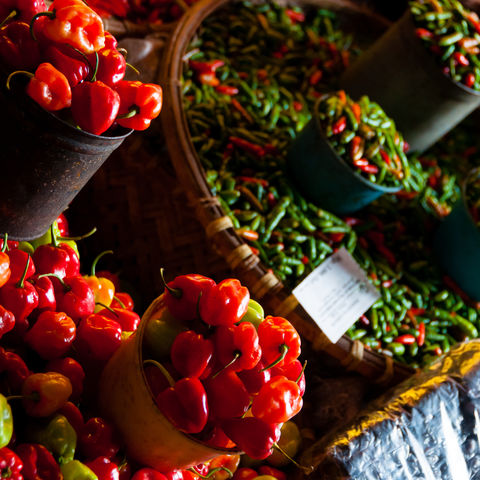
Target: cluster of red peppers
227,375
74,67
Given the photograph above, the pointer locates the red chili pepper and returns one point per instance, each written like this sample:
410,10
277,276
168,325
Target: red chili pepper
49,88
387,283
74,23
44,393
340,125
52,335
104,469
294,15
247,146
305,260
336,237
315,77
297,106
423,33
38,462
437,351
127,319
421,334
260,181
236,104
225,303
248,234
148,474
7,321
280,342
252,435
140,103
75,298
24,10
106,8
182,295
18,263
461,59
122,300
185,405
385,157
237,346
473,19
406,339
73,415
17,47
46,294
356,148
227,395
226,89
273,472
15,368
293,371
98,338
97,439
95,106
255,378
191,353
469,80
365,167
69,62
206,67
55,259
245,473
10,464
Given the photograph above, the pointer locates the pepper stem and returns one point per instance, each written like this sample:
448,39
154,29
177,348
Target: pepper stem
94,76
52,14
5,244
134,110
97,258
80,237
54,238
174,292
283,353
305,469
107,307
87,61
9,78
211,472
11,15
21,283
236,356
60,279
165,372
301,373
119,301
133,68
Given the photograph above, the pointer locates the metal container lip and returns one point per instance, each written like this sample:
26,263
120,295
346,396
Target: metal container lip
340,160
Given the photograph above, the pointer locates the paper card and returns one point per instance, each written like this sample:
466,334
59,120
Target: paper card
336,294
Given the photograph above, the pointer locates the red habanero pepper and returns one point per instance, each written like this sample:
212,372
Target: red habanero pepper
227,395
7,321
421,334
182,295
140,103
15,369
293,371
340,125
185,405
38,462
62,225
46,294
98,337
18,262
95,106
127,319
44,393
255,378
111,66
51,335
75,298
237,346
279,340
69,62
122,300
97,439
225,303
245,473
23,10
104,469
17,47
74,23
73,415
252,435
10,465
148,474
191,353
278,400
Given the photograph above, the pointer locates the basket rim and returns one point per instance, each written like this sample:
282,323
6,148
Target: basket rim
273,294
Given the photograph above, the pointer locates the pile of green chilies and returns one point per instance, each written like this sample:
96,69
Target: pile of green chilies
452,33
472,195
245,106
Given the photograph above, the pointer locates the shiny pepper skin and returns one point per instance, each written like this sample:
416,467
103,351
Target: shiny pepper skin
111,66
237,346
104,469
148,474
183,293
52,335
10,465
97,439
46,294
76,470
6,422
293,371
225,303
74,416
143,100
15,368
26,9
278,401
72,370
5,271
17,47
18,263
94,106
69,62
127,319
56,259
38,462
7,321
50,88
75,298
255,378
74,23
45,393
191,353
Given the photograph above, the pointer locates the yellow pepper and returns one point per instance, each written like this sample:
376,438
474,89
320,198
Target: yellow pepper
103,288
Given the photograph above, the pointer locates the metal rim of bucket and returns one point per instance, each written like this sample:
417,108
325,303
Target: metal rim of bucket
367,183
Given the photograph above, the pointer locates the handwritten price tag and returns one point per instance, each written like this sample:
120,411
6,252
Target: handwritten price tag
336,294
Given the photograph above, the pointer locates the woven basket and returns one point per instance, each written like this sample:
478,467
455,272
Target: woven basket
263,285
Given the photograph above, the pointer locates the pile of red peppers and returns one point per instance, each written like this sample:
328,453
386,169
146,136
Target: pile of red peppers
230,376
73,66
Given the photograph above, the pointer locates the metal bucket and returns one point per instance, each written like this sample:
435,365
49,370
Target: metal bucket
45,162
323,177
401,75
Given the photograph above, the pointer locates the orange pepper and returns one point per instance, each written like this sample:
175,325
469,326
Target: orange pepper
4,264
103,288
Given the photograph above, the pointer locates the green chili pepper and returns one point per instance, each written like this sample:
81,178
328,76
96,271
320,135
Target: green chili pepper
75,470
6,422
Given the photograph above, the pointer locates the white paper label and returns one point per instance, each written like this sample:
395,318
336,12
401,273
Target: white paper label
336,294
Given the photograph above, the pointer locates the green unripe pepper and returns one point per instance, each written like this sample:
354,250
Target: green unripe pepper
46,238
6,422
254,314
26,247
76,470
59,437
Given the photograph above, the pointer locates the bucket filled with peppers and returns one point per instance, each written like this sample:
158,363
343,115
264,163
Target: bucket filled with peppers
66,107
348,155
457,239
424,71
204,375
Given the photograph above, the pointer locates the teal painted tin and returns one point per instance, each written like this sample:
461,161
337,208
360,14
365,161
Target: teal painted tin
324,178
